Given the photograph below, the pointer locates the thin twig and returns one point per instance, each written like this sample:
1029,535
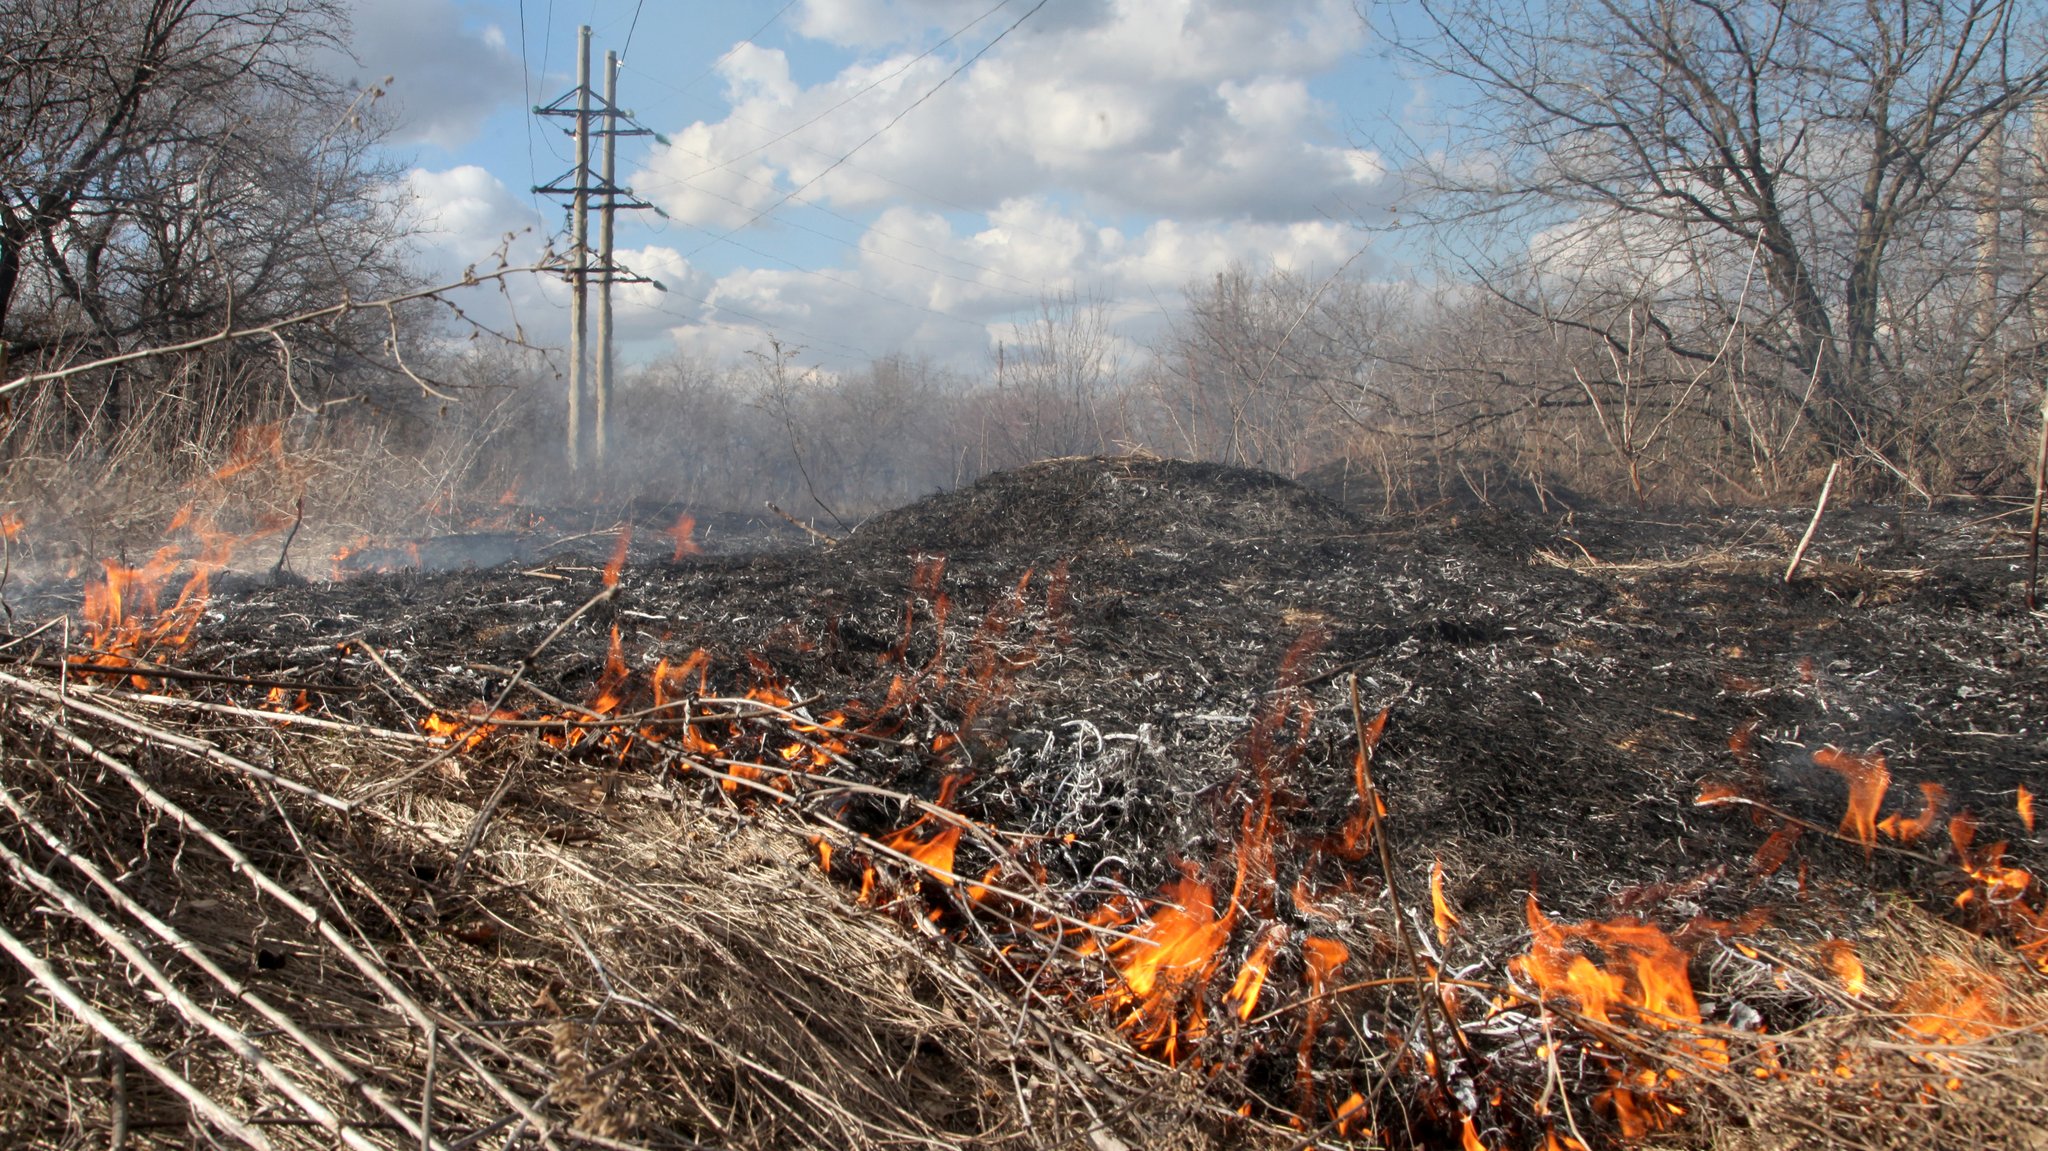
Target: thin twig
157,735
196,955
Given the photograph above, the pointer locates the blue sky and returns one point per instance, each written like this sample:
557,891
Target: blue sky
865,177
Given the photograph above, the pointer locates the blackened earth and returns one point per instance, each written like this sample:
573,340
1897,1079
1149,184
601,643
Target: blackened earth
1560,683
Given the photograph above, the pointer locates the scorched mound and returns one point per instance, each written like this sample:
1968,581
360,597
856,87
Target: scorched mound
1061,507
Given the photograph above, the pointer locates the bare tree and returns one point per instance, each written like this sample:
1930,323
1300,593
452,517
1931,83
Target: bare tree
1832,148
171,168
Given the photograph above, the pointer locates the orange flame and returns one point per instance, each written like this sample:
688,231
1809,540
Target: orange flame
683,534
1715,792
1251,978
934,851
1868,779
1776,849
1841,959
1165,963
1446,919
618,563
251,447
2025,805
611,685
10,526
1358,829
1955,1003
1933,798
1645,974
1321,958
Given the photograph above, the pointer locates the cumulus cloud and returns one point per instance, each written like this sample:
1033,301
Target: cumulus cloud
465,215
1195,107
919,282
448,70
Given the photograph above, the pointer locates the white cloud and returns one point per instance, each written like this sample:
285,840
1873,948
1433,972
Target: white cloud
464,215
447,72
1162,106
917,282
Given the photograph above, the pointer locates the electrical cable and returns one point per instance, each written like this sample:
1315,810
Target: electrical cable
877,133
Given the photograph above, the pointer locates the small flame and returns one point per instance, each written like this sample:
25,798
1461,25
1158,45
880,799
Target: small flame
1168,961
683,533
1468,1136
618,562
1251,978
1933,798
1321,958
1841,959
1645,973
612,684
1955,1003
1715,792
1446,919
251,447
2025,805
934,851
1357,831
1776,849
1868,779
10,527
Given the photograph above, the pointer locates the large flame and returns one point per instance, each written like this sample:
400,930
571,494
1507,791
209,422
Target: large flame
1645,977
1165,964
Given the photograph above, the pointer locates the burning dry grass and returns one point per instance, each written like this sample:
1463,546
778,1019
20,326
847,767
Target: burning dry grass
1924,1035
672,917
693,979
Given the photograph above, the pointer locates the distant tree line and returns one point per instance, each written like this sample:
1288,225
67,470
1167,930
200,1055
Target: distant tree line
1687,250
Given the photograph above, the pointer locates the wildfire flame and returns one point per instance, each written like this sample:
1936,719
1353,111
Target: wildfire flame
1933,798
618,561
1868,780
683,533
1954,1003
1251,977
1645,974
1841,959
1321,959
1446,919
1165,963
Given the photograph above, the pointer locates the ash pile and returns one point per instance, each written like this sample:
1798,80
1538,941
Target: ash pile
1108,802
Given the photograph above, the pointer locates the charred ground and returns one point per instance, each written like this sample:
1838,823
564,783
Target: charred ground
1127,664
1560,684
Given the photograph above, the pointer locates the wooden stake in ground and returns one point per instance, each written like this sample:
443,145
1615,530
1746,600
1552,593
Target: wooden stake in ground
1799,553
2040,485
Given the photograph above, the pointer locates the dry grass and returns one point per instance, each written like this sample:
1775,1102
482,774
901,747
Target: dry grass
655,971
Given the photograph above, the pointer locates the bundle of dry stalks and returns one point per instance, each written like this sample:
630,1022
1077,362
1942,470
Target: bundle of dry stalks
206,935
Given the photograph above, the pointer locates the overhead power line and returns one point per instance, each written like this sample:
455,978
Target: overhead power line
877,133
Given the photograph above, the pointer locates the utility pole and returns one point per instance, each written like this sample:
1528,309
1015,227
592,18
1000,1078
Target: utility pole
578,186
615,198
